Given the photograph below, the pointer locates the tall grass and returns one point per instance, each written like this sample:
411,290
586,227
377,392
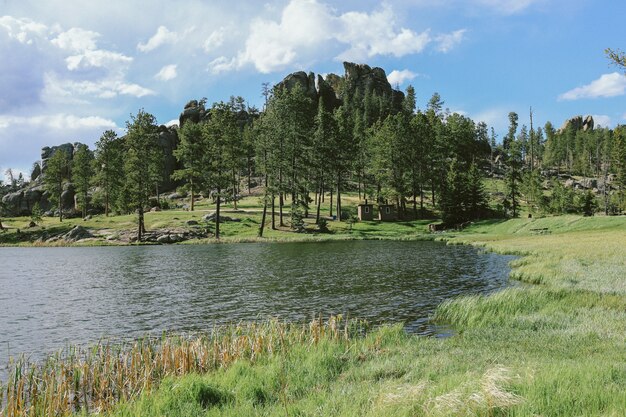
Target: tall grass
97,378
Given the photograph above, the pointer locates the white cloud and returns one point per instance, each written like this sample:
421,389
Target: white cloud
167,73
215,40
447,41
76,40
608,85
602,120
23,30
162,36
375,34
173,122
307,27
396,77
96,59
57,121
221,64
108,88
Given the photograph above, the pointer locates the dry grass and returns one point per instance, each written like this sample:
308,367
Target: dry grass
96,379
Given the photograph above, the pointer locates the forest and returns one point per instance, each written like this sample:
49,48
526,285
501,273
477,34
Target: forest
302,148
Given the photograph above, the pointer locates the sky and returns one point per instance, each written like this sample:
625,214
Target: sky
71,69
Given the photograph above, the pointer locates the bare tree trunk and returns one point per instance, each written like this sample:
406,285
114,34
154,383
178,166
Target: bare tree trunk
217,214
339,196
106,204
60,207
281,203
193,197
140,227
319,203
331,201
273,210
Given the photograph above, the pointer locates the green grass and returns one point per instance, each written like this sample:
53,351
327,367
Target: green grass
249,211
554,347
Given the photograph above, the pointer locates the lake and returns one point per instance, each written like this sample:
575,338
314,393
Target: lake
51,297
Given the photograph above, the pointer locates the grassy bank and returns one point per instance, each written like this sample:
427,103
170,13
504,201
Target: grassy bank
116,230
554,347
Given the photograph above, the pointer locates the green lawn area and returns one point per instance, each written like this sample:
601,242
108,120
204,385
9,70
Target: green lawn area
554,345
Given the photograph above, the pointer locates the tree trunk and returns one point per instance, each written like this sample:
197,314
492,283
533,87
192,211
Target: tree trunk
273,212
106,204
331,201
217,214
281,202
339,196
235,189
60,207
84,205
264,208
319,203
1,226
193,196
250,176
140,227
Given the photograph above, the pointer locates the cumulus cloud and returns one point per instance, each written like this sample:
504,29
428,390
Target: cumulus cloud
215,40
222,64
306,27
448,41
396,77
57,121
24,30
167,73
608,85
106,88
22,137
76,40
162,36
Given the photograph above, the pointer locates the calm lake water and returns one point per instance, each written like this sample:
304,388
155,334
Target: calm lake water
51,297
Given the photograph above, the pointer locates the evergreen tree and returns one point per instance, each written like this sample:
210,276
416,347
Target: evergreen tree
513,176
108,165
57,171
82,175
189,154
510,136
142,156
218,132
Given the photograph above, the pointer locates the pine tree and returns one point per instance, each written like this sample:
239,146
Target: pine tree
189,154
142,156
82,175
57,171
108,165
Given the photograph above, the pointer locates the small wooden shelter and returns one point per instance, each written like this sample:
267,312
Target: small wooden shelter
366,211
387,212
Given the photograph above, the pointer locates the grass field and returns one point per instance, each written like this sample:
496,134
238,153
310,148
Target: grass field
555,346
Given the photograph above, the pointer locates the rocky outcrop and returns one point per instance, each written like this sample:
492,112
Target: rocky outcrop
305,81
578,123
194,111
358,79
168,141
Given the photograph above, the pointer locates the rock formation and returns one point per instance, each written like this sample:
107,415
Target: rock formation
358,78
578,123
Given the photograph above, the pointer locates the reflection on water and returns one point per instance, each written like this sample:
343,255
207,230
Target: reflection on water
50,297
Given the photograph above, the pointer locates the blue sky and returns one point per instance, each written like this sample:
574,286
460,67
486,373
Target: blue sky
71,69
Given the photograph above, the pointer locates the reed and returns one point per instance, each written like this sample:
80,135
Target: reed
94,379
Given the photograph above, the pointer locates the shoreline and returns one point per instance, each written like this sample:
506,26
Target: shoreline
554,347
